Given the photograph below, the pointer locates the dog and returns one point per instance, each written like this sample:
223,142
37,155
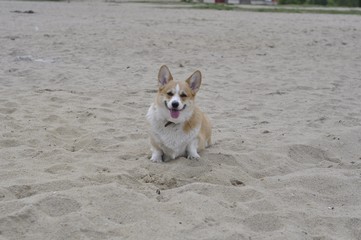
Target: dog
178,128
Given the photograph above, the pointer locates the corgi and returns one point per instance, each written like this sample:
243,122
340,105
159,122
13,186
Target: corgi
178,128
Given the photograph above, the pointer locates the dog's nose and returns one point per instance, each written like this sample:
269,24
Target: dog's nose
175,104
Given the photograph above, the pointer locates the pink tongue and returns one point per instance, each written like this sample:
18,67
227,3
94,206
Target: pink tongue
174,113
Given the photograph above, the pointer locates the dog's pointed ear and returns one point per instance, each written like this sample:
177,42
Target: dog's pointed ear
164,76
194,81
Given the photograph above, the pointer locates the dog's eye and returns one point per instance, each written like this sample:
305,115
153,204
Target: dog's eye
170,94
183,95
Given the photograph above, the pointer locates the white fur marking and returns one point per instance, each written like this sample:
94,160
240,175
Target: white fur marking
171,140
176,98
156,155
192,149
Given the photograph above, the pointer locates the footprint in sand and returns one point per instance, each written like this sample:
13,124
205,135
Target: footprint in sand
126,157
7,110
59,169
263,222
225,159
53,119
55,206
9,143
21,191
15,225
8,107
307,154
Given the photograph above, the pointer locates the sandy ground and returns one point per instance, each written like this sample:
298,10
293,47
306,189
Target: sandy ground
283,92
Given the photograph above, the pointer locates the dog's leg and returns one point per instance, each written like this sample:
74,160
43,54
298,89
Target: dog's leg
156,155
192,149
209,142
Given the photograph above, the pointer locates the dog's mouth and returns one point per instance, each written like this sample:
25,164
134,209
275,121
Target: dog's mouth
174,112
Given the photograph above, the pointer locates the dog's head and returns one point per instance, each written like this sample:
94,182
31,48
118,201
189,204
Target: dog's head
176,99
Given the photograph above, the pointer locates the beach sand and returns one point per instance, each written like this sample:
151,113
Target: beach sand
283,92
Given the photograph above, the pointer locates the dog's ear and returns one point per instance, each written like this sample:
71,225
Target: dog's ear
164,76
194,81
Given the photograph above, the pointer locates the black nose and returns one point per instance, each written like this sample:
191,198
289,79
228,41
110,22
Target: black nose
175,104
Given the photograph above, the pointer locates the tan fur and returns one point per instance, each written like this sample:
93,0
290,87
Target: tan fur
204,135
183,86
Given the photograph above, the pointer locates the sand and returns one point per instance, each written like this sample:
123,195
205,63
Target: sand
283,92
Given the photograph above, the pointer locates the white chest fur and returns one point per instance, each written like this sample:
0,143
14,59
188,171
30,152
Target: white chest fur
171,138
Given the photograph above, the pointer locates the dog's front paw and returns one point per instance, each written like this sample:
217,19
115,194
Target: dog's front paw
194,156
157,157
